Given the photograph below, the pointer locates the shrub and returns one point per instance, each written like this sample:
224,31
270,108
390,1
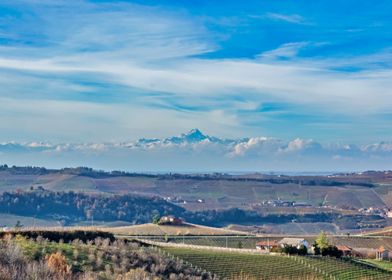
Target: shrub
58,263
137,274
291,250
331,251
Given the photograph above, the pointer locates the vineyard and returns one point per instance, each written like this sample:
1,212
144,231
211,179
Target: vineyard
245,242
229,265
249,242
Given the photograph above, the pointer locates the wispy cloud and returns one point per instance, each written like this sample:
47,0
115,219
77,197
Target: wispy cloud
285,51
158,77
294,18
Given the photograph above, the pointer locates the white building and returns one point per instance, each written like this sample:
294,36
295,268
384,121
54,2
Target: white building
295,242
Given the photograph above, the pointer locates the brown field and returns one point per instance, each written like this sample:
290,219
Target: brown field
387,231
161,230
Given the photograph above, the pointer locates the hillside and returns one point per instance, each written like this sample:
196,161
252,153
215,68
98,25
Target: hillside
288,204
229,265
79,208
162,230
212,191
83,255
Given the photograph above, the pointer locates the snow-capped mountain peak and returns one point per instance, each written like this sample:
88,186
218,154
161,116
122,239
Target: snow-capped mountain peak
191,137
194,135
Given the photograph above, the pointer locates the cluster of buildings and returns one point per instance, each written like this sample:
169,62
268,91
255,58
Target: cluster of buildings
284,203
170,220
268,245
179,200
380,253
381,211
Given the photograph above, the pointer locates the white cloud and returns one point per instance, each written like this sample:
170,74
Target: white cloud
119,44
298,145
288,50
256,153
382,147
288,18
298,82
256,146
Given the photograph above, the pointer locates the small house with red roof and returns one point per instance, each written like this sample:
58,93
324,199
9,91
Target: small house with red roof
266,245
347,251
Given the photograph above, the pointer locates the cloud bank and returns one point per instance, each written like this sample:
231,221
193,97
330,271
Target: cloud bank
195,151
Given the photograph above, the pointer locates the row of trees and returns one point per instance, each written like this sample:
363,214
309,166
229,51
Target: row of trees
323,247
92,173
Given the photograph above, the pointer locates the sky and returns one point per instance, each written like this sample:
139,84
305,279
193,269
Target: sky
116,71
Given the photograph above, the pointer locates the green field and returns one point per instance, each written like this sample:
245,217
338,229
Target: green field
229,265
387,265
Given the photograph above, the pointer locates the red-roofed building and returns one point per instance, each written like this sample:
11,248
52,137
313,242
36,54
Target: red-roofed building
347,251
266,245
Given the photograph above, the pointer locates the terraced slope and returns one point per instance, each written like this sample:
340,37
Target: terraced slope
230,265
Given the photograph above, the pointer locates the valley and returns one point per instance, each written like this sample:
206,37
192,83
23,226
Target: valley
337,203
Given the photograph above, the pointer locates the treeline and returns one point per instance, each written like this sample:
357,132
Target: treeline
71,208
272,179
59,235
79,171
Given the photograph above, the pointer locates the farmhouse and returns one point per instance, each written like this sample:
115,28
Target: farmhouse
266,245
295,242
170,220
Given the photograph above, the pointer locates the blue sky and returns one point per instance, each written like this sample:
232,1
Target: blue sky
98,71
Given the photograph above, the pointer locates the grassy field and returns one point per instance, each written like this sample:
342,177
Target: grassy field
387,265
229,265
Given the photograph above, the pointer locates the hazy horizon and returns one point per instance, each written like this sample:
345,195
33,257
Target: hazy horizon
195,151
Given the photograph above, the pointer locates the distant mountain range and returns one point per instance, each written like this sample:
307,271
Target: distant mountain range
196,137
204,152
191,137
